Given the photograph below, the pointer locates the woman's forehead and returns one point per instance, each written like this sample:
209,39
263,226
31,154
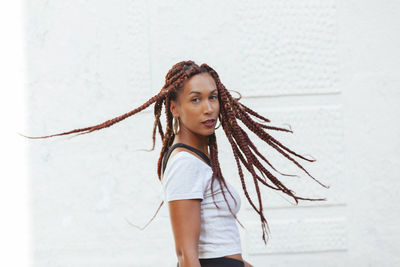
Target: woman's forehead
202,83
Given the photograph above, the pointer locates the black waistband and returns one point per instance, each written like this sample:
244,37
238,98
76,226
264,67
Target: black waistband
198,152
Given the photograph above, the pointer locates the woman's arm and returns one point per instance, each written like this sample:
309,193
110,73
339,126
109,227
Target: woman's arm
185,222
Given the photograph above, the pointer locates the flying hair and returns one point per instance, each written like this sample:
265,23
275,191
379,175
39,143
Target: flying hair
244,151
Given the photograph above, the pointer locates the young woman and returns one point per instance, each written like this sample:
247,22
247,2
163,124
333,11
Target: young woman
199,198
200,230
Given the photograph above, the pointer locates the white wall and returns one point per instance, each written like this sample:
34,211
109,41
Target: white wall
327,68
15,223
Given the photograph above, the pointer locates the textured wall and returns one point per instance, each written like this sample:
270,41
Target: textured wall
327,68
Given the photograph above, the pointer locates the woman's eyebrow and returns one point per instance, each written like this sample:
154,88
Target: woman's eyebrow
196,92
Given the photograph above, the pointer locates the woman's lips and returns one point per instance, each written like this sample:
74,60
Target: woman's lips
209,123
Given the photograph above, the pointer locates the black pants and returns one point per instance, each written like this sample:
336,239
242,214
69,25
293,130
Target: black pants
220,262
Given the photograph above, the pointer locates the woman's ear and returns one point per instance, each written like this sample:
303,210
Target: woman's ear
173,109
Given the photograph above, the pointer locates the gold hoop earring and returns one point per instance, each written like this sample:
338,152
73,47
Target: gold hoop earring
176,125
220,120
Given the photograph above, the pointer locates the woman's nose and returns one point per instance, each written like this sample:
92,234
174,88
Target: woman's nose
208,106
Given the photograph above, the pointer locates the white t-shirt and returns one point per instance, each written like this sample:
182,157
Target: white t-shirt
188,177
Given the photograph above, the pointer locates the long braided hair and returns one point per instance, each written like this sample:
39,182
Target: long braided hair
231,110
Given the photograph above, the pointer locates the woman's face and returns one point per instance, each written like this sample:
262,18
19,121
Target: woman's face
196,103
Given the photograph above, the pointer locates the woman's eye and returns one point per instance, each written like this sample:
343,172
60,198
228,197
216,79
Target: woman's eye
194,99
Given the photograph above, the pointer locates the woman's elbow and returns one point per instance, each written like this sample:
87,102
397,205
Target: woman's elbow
186,252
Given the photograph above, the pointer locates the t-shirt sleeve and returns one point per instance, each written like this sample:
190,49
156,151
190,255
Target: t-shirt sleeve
183,179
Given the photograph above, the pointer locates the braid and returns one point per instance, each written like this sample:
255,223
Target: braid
157,123
108,123
167,138
244,150
231,109
227,106
215,165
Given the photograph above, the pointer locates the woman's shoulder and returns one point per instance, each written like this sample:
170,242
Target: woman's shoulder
183,177
184,163
183,159
186,154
